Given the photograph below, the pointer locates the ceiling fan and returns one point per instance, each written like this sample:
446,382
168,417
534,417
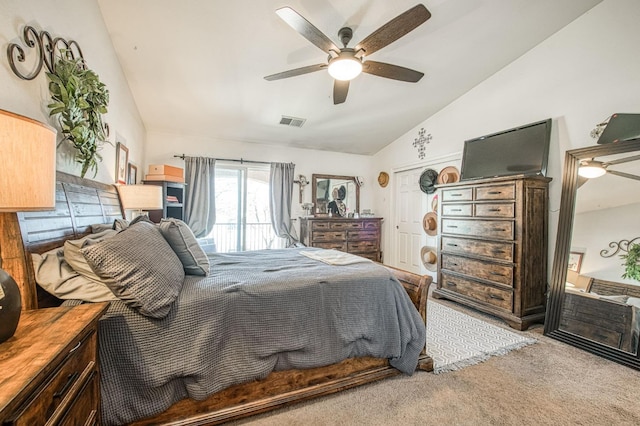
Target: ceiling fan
344,64
592,168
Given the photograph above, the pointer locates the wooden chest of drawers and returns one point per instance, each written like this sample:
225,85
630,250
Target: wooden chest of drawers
49,368
356,236
492,250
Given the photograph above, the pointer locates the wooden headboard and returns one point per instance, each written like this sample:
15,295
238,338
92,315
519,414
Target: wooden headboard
80,203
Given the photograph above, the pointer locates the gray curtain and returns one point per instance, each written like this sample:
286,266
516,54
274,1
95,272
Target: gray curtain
200,200
281,194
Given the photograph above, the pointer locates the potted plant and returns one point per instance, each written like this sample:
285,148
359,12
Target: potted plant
80,98
632,262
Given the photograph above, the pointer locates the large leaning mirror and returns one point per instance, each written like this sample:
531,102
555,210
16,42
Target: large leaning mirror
594,302
339,195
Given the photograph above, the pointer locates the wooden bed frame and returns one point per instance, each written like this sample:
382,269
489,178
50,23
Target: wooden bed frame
82,202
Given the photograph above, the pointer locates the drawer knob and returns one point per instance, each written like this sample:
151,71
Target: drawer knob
452,226
456,210
496,274
493,296
451,284
495,192
452,245
494,210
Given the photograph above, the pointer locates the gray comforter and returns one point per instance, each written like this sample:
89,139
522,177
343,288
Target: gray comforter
256,312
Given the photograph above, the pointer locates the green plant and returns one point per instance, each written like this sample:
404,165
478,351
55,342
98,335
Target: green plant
632,262
80,99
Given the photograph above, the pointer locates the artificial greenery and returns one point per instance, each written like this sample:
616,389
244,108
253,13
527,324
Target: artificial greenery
632,262
80,98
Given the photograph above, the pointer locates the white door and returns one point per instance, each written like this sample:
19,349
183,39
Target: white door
409,209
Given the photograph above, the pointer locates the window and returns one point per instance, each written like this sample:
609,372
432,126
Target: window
243,219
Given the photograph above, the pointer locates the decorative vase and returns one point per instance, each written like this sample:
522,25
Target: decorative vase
10,306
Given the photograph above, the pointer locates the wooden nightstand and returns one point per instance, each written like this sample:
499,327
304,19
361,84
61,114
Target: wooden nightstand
49,369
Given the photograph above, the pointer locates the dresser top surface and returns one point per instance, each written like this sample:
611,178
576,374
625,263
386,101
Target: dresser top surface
498,179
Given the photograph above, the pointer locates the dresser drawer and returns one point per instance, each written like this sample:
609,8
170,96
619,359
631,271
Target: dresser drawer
495,210
500,274
362,235
457,210
371,225
48,400
460,194
83,411
345,225
362,246
320,225
499,229
329,236
494,250
336,245
496,192
478,291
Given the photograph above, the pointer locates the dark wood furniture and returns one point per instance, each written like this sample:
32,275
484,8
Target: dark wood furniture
50,368
277,390
357,236
170,209
492,253
569,197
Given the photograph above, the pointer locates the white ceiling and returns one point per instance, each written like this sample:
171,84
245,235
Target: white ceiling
196,67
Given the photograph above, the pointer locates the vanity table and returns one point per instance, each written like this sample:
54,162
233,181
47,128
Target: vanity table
359,236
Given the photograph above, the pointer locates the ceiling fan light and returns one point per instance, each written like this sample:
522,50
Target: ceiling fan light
345,68
591,169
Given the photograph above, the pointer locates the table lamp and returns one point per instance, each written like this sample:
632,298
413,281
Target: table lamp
27,183
140,197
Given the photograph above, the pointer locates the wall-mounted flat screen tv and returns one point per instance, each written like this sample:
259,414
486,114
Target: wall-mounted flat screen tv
522,150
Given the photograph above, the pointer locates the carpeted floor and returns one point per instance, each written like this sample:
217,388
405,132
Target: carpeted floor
548,383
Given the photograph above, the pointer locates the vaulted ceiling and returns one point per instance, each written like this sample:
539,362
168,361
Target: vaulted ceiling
197,67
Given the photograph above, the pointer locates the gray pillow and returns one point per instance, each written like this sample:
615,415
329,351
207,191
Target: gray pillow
58,278
76,260
140,267
182,240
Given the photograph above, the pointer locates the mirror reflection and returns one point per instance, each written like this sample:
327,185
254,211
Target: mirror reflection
338,196
599,303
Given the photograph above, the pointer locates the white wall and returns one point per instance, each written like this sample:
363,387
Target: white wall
594,230
161,148
78,20
579,76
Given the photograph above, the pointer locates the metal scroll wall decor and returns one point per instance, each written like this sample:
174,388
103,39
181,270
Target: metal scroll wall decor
47,49
617,247
421,141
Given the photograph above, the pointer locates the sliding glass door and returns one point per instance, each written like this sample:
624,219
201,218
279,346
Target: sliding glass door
243,220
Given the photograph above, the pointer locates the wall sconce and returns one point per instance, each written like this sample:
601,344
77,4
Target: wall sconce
28,178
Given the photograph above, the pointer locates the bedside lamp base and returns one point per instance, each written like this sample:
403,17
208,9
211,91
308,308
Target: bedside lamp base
10,306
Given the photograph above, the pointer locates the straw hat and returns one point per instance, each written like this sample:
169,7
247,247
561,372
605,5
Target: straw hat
449,175
429,258
430,223
383,179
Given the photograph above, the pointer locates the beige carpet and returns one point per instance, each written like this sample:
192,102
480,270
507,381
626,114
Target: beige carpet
548,383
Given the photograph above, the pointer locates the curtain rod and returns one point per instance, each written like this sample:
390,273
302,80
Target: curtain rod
241,160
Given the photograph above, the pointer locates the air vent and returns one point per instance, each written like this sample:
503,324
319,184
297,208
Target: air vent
292,121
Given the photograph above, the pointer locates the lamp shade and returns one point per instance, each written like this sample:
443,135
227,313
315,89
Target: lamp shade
28,170
591,169
140,197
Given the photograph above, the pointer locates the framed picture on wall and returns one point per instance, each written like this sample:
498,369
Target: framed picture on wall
122,161
132,174
575,261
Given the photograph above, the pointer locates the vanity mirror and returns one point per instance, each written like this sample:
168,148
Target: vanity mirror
339,193
590,304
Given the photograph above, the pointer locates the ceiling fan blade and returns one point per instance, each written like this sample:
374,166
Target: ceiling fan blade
623,174
393,72
622,160
340,90
394,29
306,29
295,72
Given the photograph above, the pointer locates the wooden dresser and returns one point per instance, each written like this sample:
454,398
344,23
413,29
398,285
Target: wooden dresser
49,368
492,252
357,236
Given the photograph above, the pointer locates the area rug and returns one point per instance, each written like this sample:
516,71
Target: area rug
456,340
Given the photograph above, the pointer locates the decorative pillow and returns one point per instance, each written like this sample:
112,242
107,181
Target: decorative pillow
58,278
622,298
140,267
182,240
76,260
120,224
101,227
634,301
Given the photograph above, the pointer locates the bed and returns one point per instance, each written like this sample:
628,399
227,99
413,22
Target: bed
82,203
